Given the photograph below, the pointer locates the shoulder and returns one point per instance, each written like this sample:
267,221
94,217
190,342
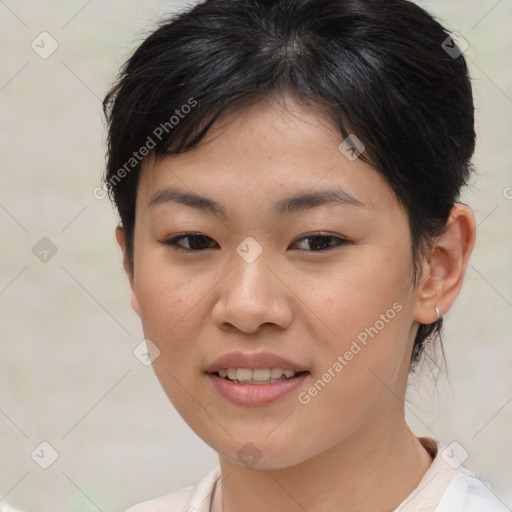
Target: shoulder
183,500
175,501
468,492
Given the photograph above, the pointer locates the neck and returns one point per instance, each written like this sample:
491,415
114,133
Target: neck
370,471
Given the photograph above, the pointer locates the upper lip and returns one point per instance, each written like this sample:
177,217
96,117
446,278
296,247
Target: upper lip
253,361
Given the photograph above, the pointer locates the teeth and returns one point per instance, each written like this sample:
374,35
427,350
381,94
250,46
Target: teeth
243,374
275,373
259,375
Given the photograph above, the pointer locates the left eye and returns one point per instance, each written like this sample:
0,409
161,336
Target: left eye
319,243
197,242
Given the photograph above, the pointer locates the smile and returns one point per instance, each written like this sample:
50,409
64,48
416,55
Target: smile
250,392
255,376
254,379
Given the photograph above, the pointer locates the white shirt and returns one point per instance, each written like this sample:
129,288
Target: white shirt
445,487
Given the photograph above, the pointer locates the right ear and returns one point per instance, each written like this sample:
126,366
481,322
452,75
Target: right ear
121,240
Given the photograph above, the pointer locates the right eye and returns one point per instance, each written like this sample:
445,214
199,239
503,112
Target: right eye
195,242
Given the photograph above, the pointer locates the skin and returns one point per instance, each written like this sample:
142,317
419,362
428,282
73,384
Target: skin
349,448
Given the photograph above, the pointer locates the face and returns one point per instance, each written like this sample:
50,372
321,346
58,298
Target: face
313,294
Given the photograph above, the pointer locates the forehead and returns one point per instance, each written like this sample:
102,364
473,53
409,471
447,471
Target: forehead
268,150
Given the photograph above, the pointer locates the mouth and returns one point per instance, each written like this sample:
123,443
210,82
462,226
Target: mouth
257,376
255,379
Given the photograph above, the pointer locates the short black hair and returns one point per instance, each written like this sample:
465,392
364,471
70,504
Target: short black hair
379,69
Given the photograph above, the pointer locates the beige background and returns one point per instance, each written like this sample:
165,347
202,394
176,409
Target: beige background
67,372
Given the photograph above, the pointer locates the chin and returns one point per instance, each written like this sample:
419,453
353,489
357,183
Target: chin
261,452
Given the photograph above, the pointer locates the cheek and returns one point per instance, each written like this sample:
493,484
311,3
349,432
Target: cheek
168,301
171,312
361,289
368,312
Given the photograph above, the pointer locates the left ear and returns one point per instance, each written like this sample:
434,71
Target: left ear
443,273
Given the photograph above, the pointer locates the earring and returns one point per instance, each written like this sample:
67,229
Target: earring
438,315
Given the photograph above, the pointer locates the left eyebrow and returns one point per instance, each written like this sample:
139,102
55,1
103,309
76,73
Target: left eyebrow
309,200
296,203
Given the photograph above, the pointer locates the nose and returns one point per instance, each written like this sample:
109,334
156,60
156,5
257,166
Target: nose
252,295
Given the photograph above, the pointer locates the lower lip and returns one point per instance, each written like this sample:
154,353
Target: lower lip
252,395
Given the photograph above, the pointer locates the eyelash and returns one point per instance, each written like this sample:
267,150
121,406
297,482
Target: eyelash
173,242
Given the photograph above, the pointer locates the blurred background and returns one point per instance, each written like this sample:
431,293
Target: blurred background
68,375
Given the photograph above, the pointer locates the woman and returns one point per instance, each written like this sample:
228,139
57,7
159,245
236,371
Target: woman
287,174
